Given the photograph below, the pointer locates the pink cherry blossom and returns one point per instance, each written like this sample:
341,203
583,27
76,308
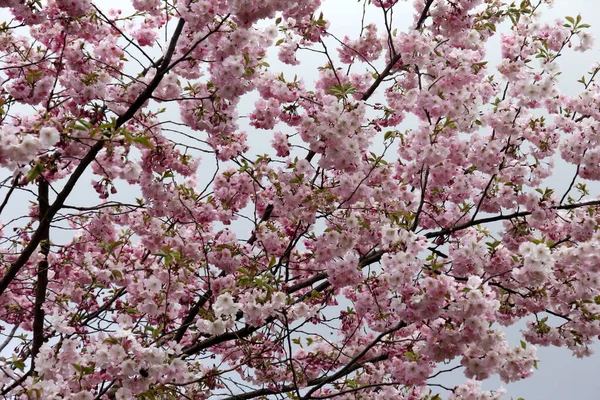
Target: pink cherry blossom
232,199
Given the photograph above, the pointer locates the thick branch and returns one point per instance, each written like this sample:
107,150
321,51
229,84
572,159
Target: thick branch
424,14
366,95
306,283
368,259
42,274
189,319
215,340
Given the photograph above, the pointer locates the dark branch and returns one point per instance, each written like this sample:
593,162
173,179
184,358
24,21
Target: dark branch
424,14
355,361
317,381
37,237
10,192
189,319
480,221
42,274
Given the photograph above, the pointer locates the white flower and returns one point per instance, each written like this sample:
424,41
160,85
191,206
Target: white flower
272,31
300,310
45,362
474,282
203,325
124,320
278,300
537,262
23,152
224,305
59,324
218,327
83,396
49,136
538,252
124,394
102,358
390,236
117,353
128,368
153,284
131,171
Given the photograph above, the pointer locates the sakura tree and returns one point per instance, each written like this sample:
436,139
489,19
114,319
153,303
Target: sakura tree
403,216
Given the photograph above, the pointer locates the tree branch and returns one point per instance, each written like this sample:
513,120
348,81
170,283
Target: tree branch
422,201
42,274
10,191
191,315
348,367
44,224
480,221
424,14
317,381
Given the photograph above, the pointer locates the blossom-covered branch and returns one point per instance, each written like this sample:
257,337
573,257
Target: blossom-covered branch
230,199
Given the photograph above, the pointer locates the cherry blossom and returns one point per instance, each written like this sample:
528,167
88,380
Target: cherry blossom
225,199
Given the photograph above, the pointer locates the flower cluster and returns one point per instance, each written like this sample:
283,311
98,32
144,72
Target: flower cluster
346,233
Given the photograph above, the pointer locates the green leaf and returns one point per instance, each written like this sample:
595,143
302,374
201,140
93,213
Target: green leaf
144,141
35,172
19,364
342,90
